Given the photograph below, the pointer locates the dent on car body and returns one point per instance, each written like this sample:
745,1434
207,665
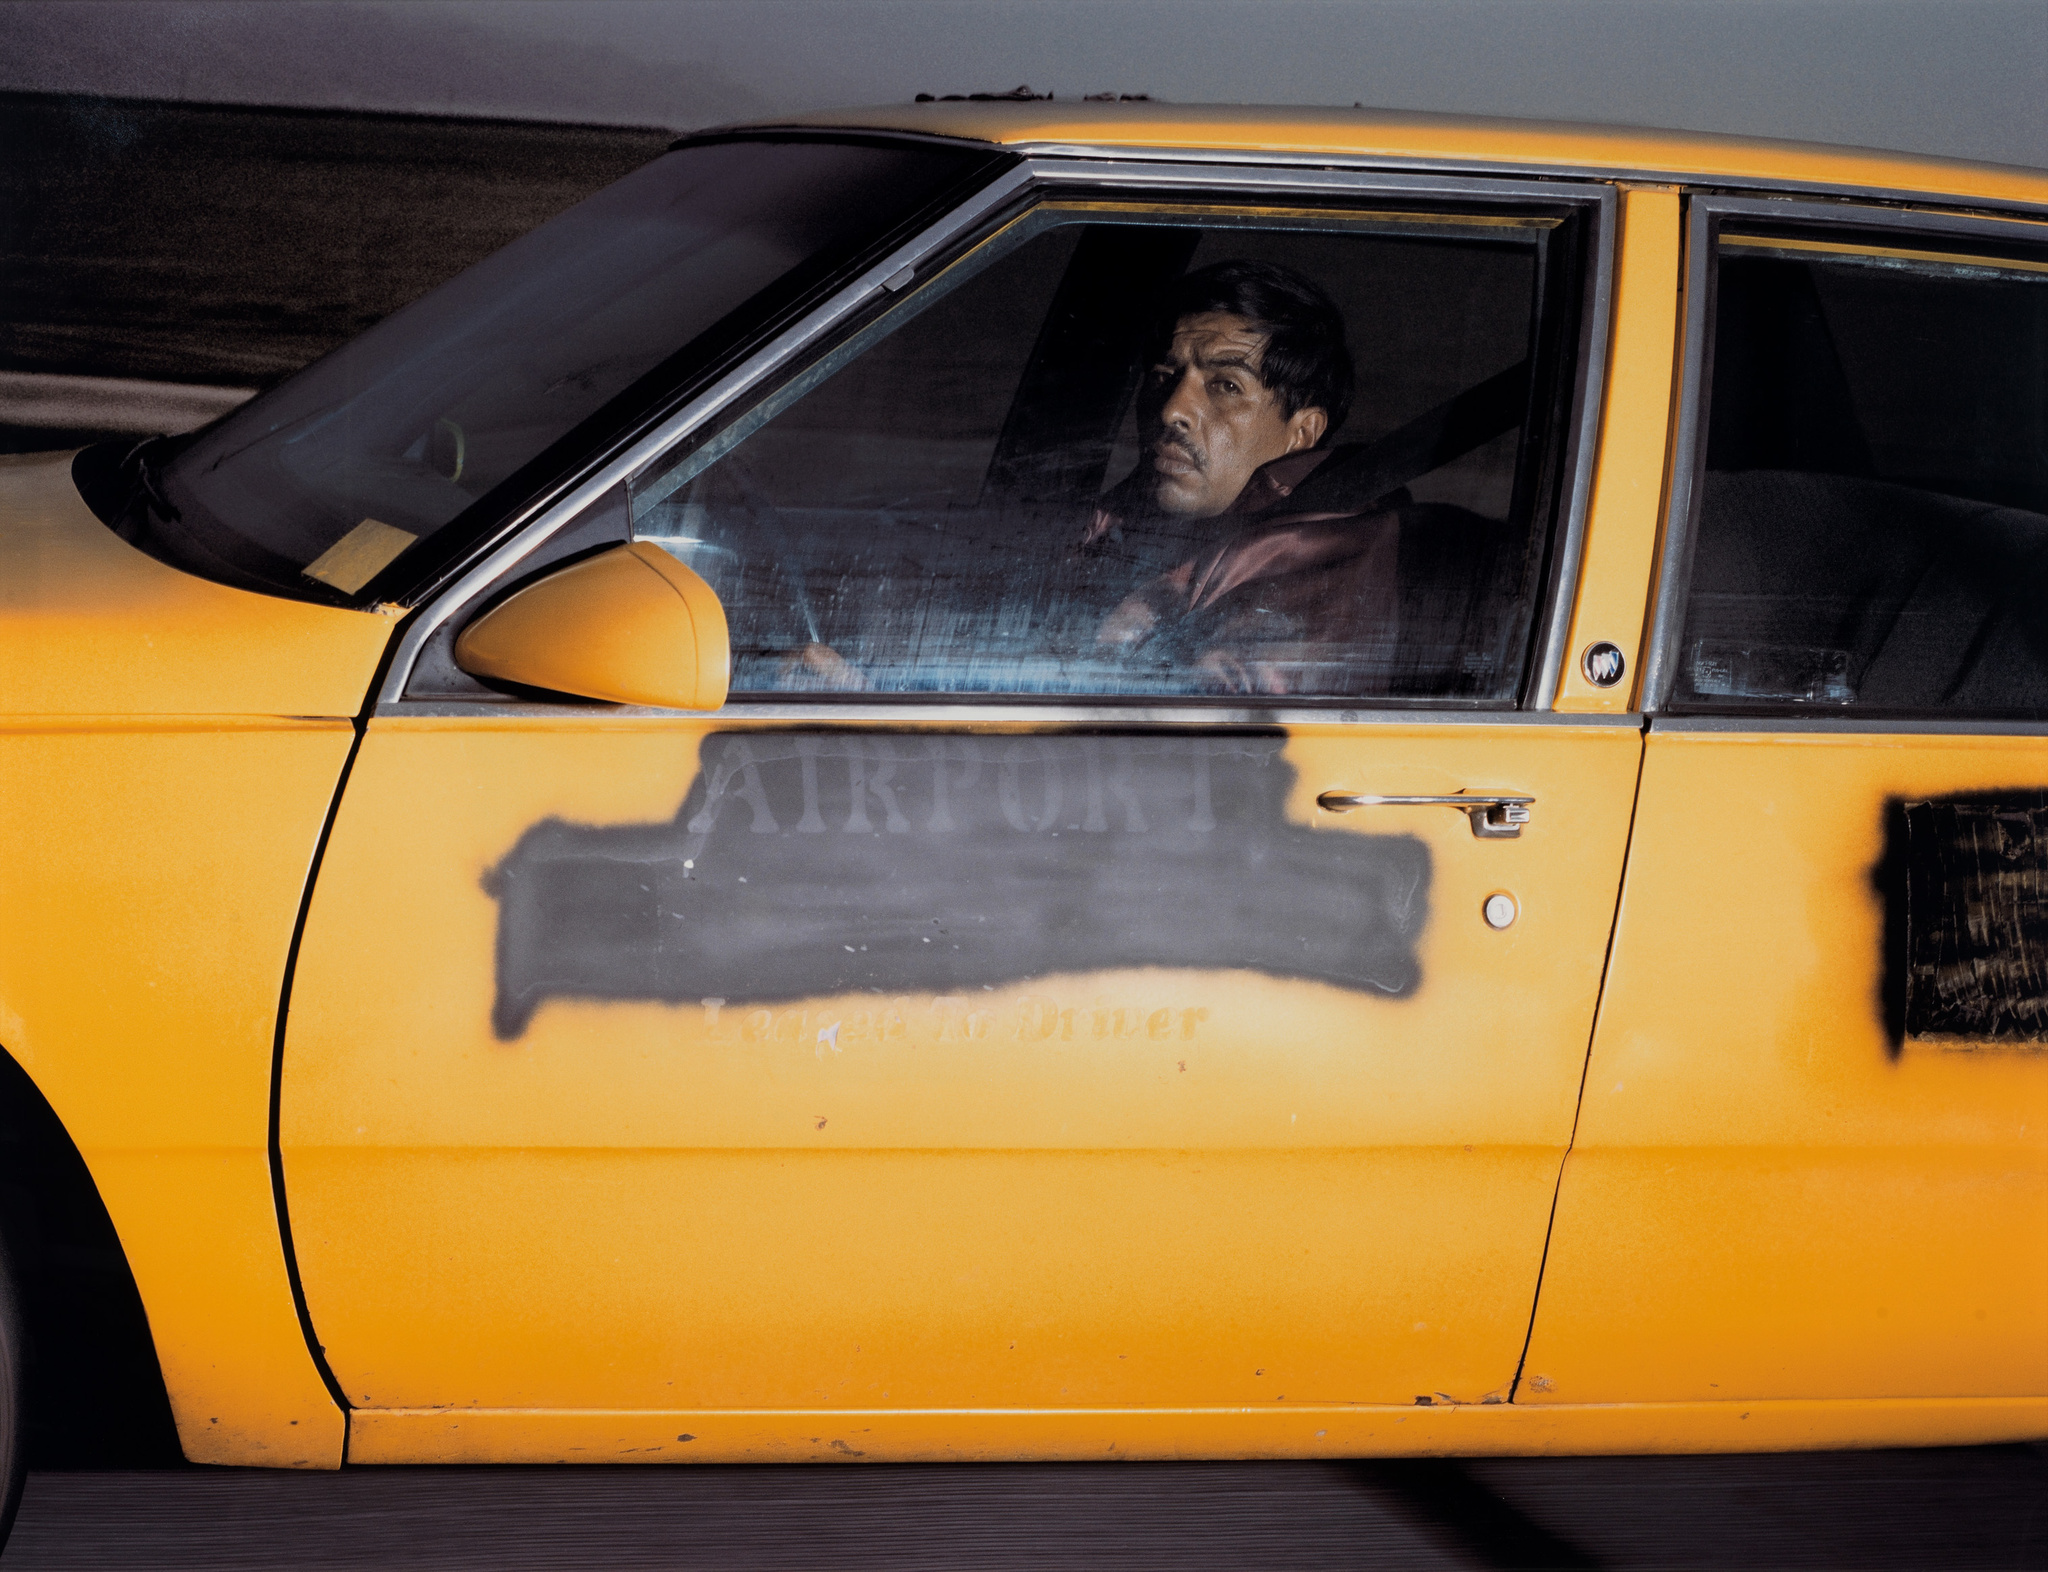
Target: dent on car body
811,863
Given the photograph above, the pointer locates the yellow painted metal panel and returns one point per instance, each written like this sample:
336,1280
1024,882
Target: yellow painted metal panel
783,1278
89,625
199,1229
1628,481
1767,1271
1766,1198
1459,141
882,1435
1202,1184
150,887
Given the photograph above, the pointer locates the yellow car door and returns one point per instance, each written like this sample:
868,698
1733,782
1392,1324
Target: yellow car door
980,1037
1810,1185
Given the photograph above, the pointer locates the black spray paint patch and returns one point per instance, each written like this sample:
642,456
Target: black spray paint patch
804,864
1975,907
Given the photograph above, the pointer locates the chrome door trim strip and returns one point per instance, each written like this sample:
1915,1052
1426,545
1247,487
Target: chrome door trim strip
1054,177
1264,175
1688,462
1694,180
1843,726
1582,447
954,713
1688,455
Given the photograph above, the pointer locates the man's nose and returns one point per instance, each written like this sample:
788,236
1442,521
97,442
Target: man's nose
1178,411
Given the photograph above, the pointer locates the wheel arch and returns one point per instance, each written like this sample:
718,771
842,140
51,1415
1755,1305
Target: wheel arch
96,1393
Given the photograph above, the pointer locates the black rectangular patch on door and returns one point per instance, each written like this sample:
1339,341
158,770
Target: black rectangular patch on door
1976,928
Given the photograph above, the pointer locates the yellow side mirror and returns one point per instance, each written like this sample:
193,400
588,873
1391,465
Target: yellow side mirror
631,625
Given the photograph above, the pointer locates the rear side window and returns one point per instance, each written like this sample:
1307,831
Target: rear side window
1871,522
966,498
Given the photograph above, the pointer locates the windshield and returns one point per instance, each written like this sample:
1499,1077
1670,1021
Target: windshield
340,473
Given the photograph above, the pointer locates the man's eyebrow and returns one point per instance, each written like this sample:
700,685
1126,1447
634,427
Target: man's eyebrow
1217,363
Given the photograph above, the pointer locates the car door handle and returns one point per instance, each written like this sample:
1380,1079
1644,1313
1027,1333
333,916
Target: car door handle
1495,815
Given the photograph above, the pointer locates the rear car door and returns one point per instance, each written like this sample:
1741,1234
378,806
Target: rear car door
1813,1158
973,1039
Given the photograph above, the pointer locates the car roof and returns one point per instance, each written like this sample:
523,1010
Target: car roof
1471,143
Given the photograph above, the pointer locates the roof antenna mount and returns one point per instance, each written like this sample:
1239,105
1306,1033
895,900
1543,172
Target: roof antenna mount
1020,94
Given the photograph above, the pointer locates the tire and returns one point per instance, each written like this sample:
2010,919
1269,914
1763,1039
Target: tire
13,1396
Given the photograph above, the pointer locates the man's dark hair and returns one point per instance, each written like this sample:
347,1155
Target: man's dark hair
1306,360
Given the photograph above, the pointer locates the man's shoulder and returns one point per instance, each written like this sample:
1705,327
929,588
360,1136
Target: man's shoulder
1338,482
1117,507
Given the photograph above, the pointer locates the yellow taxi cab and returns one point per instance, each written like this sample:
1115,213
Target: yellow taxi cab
775,827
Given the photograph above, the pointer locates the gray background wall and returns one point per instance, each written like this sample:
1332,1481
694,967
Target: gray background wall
199,196
1964,78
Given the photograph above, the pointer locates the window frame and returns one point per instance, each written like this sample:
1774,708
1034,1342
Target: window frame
1799,217
1130,176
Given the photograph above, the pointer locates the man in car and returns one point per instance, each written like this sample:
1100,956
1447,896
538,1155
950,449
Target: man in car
1251,572
1217,553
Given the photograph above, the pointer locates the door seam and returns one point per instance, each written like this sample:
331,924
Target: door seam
314,1348
1586,1065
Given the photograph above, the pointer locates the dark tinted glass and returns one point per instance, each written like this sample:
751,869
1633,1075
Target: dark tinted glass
355,460
1872,523
958,501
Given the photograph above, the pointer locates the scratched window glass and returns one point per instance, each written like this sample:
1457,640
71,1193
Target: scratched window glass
1120,456
1872,526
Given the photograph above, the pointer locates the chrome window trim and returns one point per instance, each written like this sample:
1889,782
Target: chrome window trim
1693,180
955,712
1582,447
1139,175
544,519
1687,454
1845,726
1688,457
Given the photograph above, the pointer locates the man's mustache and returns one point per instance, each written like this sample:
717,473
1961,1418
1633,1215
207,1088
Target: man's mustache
1161,444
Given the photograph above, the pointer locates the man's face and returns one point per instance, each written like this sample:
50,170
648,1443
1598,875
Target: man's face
1209,418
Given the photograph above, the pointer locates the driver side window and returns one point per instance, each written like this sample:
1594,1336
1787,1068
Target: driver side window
1123,453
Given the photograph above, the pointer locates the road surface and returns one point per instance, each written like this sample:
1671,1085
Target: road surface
1965,1510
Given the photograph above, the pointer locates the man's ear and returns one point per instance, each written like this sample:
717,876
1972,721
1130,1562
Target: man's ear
1305,428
